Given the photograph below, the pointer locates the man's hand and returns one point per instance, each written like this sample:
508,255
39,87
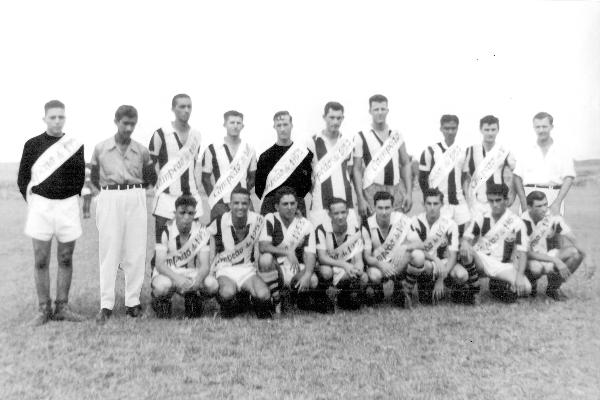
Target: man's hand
438,291
364,208
387,269
562,268
183,283
295,264
520,285
304,282
406,204
466,251
350,270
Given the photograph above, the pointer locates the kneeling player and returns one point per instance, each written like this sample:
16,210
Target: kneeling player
495,246
439,235
234,237
557,263
287,247
182,262
392,250
340,258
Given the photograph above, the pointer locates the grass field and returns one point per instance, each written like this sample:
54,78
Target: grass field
535,349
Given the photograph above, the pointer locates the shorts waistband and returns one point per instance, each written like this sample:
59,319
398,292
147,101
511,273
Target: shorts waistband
555,187
123,187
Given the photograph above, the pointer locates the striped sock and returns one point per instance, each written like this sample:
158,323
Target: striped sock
473,280
272,280
412,274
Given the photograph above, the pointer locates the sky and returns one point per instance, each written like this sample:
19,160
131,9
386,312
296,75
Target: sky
509,59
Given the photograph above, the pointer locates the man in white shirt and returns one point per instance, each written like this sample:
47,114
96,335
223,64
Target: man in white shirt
545,166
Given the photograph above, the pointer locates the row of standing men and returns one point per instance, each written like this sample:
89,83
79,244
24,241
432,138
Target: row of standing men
352,168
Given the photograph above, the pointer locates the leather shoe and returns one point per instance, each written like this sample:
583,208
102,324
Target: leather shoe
62,312
134,311
103,316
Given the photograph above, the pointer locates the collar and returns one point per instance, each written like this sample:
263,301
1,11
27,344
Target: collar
112,144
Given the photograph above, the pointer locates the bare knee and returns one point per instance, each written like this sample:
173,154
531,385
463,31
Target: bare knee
375,275
161,286
459,274
262,292
417,257
326,272
536,269
265,262
65,258
227,291
428,267
314,281
211,286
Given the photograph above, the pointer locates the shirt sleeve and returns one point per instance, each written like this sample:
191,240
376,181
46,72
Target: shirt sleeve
163,244
155,145
212,227
426,160
266,234
321,240
358,147
24,176
568,168
511,161
252,166
261,176
560,227
207,161
311,245
522,240
474,228
367,239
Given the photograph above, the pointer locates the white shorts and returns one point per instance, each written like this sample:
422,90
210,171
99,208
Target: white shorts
318,217
287,271
436,268
549,265
187,272
48,217
492,267
237,273
459,213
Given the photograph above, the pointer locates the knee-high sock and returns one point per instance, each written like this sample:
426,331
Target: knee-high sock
412,274
273,280
502,291
473,279
533,280
554,281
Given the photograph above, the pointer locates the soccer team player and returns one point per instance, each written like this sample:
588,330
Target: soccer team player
282,260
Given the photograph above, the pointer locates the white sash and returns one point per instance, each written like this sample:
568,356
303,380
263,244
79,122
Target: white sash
394,239
198,239
333,159
285,167
388,150
507,223
293,236
435,238
490,163
241,250
230,178
446,164
175,167
51,159
540,231
351,247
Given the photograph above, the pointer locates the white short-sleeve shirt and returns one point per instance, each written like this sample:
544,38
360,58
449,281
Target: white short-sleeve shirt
551,169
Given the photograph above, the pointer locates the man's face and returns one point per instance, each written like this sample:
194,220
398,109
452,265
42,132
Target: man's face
542,128
497,203
383,210
433,206
234,126
379,112
489,132
283,126
55,120
125,126
449,130
539,209
333,120
239,205
287,207
184,216
338,214
182,109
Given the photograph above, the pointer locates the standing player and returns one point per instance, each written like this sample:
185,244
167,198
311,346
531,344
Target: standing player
182,262
392,251
443,166
287,247
439,235
331,164
174,150
339,248
557,263
496,245
283,164
386,162
51,175
122,168
487,164
234,235
232,164
546,168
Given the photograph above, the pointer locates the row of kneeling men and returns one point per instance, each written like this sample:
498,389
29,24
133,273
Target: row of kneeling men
281,260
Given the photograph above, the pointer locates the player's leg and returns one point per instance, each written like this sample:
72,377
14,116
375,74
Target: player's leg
64,255
261,296
226,296
502,279
412,270
573,259
374,289
41,274
269,272
162,290
426,281
322,302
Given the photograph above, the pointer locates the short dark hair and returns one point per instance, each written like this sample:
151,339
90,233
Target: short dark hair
499,189
448,118
382,196
240,190
542,115
177,97
280,114
232,113
433,192
333,105
53,104
489,120
185,200
125,111
377,98
284,191
336,200
536,195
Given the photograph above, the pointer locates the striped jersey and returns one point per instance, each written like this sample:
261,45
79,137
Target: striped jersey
374,237
225,235
275,230
502,250
557,227
451,187
338,184
165,145
367,146
475,155
449,239
326,238
171,240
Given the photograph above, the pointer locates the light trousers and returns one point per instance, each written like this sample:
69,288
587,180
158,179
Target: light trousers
121,218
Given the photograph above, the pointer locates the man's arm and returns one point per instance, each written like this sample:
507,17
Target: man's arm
267,247
24,175
202,267
251,179
520,191
406,169
357,177
326,259
566,185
